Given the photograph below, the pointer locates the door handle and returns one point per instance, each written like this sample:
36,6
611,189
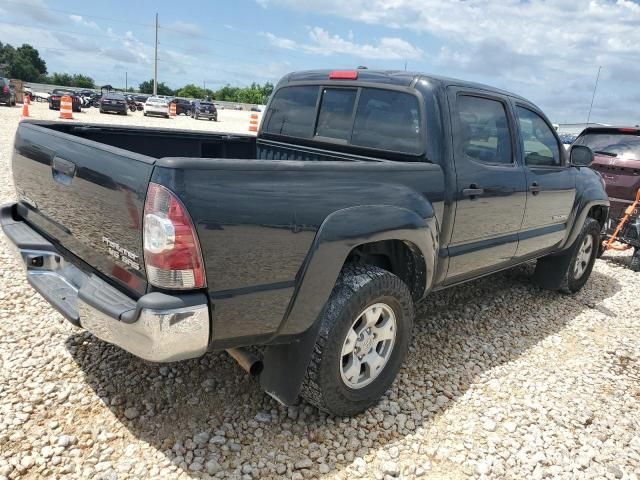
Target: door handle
473,191
534,188
63,170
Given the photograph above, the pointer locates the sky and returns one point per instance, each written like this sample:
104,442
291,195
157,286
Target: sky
547,51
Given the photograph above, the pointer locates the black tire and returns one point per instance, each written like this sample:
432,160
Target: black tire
635,260
558,271
357,287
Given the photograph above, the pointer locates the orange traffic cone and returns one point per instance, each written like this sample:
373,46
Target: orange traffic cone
172,109
66,109
25,110
253,122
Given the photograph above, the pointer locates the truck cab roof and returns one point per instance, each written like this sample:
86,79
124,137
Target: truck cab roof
400,78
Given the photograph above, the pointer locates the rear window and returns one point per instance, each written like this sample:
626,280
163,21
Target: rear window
364,117
206,104
336,113
388,120
292,112
114,96
626,146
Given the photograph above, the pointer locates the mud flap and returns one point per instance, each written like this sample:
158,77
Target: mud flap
550,271
285,366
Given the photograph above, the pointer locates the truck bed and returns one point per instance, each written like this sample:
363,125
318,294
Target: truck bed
257,207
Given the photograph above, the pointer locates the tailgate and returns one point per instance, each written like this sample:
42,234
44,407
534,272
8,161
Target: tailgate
86,197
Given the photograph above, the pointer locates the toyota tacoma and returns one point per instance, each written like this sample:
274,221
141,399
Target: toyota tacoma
363,192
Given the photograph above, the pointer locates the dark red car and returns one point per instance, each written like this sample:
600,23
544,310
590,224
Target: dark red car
58,93
617,159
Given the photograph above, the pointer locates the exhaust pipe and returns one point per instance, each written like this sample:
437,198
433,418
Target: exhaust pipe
248,361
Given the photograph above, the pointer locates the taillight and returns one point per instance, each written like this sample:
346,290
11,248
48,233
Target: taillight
5,89
172,255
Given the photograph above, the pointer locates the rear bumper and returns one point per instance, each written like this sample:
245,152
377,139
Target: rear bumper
156,327
113,108
156,111
207,114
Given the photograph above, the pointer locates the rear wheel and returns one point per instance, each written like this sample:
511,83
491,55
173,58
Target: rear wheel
363,339
570,270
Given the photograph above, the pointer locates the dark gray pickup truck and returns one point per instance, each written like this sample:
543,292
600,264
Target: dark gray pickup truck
363,192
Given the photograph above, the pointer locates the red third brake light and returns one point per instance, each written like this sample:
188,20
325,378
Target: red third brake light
628,130
172,254
343,75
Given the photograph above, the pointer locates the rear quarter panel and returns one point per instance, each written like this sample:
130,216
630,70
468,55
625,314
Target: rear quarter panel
257,221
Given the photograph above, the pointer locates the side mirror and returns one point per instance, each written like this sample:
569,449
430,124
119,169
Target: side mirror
581,156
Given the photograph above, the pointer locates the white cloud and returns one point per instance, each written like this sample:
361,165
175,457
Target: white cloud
323,43
184,28
534,47
79,20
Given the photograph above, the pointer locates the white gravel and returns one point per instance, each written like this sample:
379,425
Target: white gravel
503,381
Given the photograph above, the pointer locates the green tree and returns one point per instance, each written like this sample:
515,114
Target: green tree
23,62
147,87
191,91
82,81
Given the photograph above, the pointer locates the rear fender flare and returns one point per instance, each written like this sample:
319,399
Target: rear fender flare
285,364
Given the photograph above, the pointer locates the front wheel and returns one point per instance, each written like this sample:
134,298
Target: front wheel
569,270
363,339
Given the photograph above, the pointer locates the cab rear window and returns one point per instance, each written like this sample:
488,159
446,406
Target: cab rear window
374,118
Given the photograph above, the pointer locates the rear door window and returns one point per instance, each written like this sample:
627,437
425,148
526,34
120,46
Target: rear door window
484,130
624,146
292,112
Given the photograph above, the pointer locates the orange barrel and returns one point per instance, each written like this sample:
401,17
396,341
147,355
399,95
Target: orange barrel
66,107
253,122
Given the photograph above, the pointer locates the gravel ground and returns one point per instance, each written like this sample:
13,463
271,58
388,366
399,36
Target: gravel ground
503,381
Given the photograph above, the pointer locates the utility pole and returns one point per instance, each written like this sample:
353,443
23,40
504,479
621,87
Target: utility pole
405,65
155,63
594,95
126,84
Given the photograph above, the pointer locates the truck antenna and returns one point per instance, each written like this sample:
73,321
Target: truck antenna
594,94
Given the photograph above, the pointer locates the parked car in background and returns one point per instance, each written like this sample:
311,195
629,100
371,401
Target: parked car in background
567,139
183,106
204,109
113,103
255,108
156,106
58,93
141,98
7,92
617,159
363,192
